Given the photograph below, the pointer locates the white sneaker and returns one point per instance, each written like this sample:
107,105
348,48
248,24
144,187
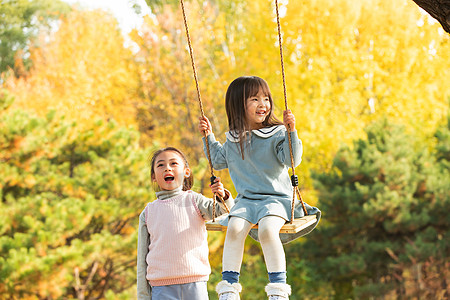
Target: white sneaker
277,297
228,291
278,291
229,296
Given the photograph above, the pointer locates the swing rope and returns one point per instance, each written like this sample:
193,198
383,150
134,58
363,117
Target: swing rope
213,177
294,178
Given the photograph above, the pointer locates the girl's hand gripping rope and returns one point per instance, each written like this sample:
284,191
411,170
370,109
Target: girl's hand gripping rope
204,126
289,120
217,188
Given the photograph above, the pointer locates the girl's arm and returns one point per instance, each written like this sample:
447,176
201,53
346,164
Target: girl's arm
283,151
205,205
204,126
297,150
289,120
216,149
218,188
144,291
217,152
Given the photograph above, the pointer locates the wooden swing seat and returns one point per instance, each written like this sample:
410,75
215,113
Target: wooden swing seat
296,226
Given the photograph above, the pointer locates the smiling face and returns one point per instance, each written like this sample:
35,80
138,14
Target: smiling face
169,170
257,108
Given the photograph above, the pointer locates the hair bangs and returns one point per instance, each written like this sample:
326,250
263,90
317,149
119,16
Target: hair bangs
254,86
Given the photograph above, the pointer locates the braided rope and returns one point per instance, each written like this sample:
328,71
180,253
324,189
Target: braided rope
191,53
295,188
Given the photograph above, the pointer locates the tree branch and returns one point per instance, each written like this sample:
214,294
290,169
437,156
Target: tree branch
438,9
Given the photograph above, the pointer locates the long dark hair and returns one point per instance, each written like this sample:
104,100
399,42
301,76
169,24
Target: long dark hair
238,92
188,181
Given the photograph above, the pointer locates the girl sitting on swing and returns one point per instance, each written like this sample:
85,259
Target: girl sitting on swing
257,156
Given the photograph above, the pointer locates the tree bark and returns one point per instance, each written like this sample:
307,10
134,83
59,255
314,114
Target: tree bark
438,9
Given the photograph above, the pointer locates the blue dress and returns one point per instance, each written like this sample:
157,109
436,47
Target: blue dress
262,178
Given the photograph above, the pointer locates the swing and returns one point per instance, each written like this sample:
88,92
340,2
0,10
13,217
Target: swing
292,226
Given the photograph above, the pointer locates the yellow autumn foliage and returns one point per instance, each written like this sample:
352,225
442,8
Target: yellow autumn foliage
83,71
346,65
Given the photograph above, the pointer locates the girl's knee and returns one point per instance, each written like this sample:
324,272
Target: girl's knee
268,234
233,234
269,228
238,229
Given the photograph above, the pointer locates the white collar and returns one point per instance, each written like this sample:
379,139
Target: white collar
265,133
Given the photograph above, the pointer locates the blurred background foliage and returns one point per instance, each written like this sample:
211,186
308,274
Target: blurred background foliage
82,107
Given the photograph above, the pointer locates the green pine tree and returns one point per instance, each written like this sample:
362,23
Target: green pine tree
70,198
384,207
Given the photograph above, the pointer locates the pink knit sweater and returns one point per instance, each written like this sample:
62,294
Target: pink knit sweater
178,250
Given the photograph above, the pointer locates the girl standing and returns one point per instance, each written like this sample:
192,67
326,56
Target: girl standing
172,254
257,156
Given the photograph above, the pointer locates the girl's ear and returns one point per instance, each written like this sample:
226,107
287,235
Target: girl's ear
153,178
187,172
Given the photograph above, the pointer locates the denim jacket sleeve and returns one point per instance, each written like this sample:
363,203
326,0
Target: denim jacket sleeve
283,151
217,152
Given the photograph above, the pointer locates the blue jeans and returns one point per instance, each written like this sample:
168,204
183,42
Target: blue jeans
187,291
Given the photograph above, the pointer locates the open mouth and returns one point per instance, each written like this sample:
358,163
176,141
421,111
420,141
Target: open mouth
169,178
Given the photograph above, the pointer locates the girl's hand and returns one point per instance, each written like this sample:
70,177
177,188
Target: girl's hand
204,126
218,188
289,120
